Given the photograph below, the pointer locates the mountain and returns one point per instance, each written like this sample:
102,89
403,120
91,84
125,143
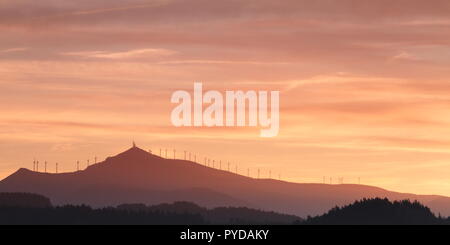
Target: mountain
136,176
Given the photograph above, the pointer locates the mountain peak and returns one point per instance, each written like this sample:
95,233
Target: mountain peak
134,148
135,153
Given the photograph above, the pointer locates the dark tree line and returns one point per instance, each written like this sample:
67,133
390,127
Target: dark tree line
24,200
84,215
24,208
220,215
378,211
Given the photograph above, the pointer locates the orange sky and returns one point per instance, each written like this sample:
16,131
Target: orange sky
364,84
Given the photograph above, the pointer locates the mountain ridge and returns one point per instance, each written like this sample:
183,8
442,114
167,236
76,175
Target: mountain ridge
138,176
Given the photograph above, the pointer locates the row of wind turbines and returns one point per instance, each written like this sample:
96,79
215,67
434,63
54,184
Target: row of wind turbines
189,156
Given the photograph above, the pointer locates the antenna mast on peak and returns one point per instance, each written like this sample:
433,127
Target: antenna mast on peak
134,144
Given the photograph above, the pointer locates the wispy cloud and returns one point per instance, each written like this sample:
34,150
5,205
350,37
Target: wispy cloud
405,56
135,53
244,62
121,8
11,50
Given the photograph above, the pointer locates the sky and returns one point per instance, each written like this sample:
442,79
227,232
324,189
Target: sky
364,85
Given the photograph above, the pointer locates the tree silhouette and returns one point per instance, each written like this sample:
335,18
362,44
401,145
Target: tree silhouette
377,211
24,208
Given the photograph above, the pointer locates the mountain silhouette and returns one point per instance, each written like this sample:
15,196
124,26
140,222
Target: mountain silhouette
136,176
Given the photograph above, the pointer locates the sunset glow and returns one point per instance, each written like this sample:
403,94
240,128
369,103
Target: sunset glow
364,85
